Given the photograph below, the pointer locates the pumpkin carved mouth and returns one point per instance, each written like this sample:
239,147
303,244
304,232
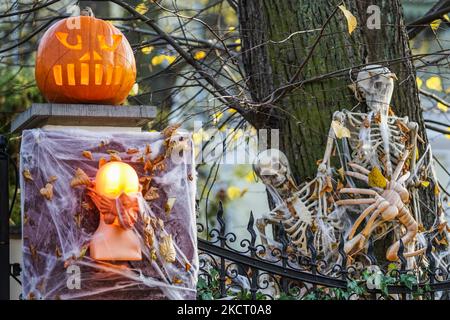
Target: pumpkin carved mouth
103,74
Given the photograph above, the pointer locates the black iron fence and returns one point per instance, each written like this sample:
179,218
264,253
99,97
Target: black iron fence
232,268
243,269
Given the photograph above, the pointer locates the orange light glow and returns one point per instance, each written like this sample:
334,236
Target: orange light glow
115,178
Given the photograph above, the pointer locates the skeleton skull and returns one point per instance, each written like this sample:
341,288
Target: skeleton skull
272,167
376,85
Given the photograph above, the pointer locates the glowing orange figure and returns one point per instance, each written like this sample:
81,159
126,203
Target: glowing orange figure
115,196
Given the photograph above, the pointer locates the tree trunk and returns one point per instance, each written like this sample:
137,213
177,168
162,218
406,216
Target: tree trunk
303,115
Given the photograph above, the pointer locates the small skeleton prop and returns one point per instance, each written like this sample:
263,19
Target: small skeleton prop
295,209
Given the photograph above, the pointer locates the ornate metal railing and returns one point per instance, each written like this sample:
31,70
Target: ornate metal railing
243,269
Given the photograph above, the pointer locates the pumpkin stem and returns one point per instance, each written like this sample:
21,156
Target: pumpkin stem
87,11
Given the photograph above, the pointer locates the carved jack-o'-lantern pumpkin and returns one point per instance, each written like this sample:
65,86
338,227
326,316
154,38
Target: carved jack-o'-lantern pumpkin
89,61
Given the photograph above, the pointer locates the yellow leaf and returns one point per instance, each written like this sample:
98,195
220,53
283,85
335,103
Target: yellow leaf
199,136
442,107
250,177
448,135
170,59
169,204
231,29
341,172
233,192
83,251
435,24
419,82
434,83
237,134
199,55
339,130
134,90
157,60
147,49
376,178
238,41
425,183
436,189
217,116
141,8
351,20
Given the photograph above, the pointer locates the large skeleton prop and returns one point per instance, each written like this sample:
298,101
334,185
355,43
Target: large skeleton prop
379,140
296,208
374,140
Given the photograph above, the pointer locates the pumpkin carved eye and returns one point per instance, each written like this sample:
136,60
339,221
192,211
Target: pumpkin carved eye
62,37
117,38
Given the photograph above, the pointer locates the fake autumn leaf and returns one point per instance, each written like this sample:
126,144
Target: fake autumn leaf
27,174
339,130
199,55
80,178
170,130
167,249
327,188
376,178
47,191
341,172
115,157
351,20
132,150
151,194
169,204
83,251
434,83
87,155
176,280
425,183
